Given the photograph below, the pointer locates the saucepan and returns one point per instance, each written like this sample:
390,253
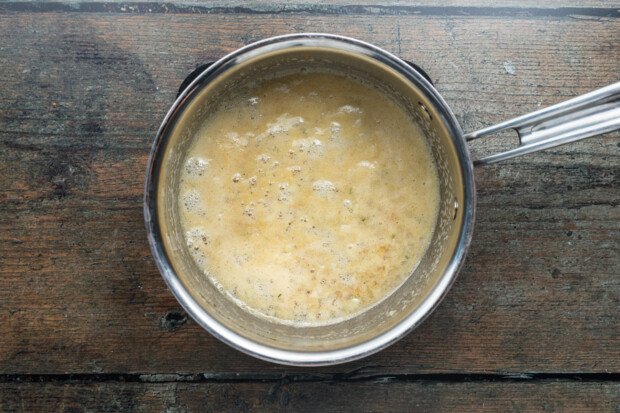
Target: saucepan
397,314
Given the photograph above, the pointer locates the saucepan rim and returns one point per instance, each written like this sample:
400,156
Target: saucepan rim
238,340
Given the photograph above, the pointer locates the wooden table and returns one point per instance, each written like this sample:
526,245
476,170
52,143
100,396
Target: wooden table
86,322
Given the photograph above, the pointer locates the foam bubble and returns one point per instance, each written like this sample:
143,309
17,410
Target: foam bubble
284,193
355,301
254,100
199,257
283,124
196,166
348,204
348,279
196,238
192,200
241,141
249,210
335,129
318,131
313,147
367,164
283,89
324,187
216,283
349,109
264,158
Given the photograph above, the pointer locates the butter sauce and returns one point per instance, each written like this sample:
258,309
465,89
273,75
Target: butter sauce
308,198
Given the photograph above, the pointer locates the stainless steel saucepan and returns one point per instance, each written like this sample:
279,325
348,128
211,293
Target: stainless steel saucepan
588,115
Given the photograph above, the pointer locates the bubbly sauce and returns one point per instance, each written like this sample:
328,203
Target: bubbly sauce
309,198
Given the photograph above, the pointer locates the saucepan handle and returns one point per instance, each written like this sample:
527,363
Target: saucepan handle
587,115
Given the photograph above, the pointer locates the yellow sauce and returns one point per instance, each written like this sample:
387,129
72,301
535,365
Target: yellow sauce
308,198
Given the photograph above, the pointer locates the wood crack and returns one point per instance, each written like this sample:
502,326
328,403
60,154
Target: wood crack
307,377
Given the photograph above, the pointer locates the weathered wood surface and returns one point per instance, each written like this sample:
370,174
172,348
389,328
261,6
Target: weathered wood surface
82,95
325,5
383,396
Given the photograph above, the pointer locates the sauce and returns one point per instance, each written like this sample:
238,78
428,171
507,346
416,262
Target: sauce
309,198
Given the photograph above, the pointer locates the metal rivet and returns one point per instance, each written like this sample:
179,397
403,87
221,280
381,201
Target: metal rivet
425,112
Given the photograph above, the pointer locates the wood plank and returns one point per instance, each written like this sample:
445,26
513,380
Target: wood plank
556,396
83,95
322,5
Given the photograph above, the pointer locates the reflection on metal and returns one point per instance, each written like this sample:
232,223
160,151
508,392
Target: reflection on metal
588,115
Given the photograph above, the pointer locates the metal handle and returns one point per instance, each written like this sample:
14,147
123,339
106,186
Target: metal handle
587,115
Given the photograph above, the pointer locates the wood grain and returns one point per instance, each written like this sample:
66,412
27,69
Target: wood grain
82,96
302,397
323,5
